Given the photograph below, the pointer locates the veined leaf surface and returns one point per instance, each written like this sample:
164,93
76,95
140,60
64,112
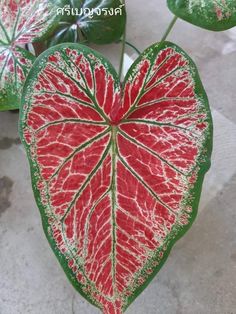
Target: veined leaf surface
15,64
215,15
116,173
21,22
99,21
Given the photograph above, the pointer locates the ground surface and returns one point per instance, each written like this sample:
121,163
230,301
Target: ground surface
200,274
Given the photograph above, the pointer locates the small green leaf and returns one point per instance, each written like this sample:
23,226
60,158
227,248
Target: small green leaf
215,15
100,22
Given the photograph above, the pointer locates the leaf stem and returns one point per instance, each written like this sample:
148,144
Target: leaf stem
171,25
122,54
131,45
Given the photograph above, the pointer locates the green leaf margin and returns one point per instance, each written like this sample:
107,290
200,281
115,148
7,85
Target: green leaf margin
204,164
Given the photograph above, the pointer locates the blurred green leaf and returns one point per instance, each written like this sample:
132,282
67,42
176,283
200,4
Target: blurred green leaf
215,15
97,21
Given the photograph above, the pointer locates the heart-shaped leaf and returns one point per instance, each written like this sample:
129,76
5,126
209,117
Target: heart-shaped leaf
21,22
117,175
98,21
215,15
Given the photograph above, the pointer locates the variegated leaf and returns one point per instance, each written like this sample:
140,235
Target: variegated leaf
21,22
117,174
215,15
15,64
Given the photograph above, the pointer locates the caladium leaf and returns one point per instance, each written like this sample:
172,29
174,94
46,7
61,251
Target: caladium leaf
98,21
215,15
15,64
21,22
117,175
24,21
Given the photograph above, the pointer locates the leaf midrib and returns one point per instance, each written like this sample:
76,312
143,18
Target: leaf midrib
114,202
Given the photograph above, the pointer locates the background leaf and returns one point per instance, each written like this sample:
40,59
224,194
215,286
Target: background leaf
21,22
103,29
15,64
100,29
215,15
117,175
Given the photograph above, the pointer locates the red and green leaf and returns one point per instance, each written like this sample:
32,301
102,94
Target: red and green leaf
21,22
15,64
116,173
215,15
